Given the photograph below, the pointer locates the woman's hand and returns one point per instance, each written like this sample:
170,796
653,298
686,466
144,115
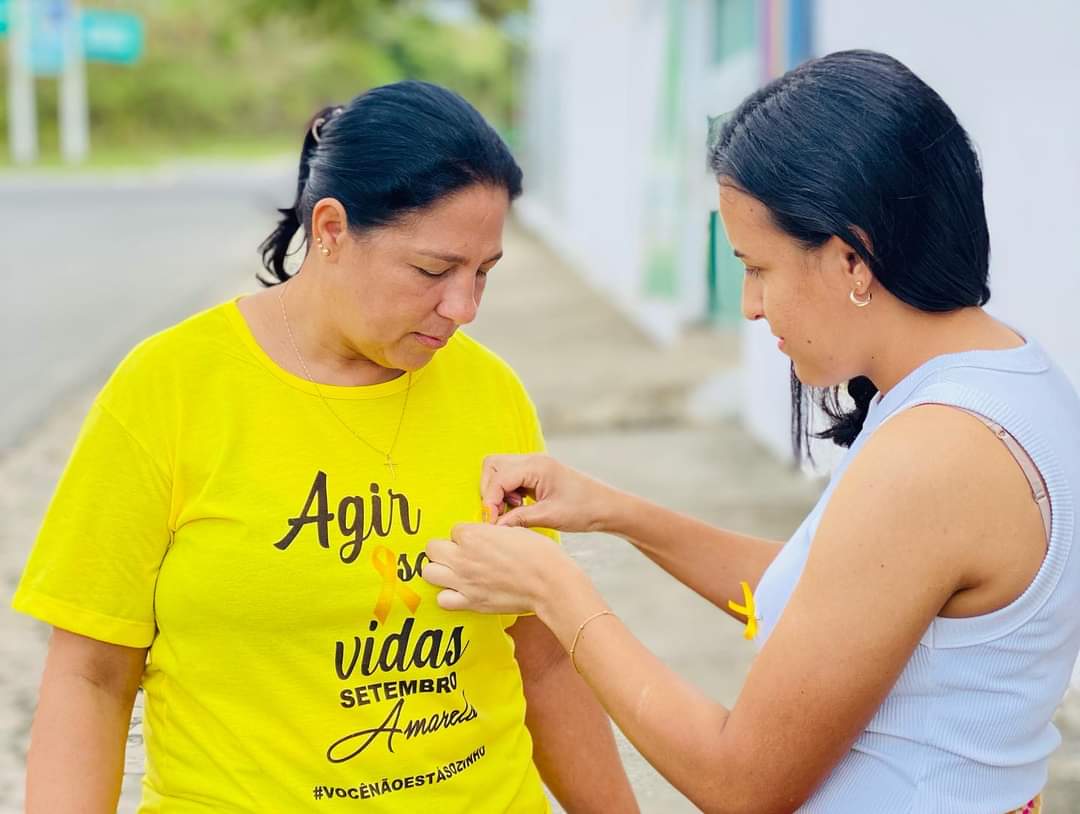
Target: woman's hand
491,569
565,499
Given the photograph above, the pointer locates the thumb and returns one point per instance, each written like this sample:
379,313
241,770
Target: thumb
531,514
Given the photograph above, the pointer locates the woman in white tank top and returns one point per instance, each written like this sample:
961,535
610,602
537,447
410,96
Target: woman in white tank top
912,656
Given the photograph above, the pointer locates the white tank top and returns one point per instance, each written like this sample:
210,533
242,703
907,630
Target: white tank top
967,727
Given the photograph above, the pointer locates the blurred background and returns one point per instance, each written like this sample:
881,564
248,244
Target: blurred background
145,144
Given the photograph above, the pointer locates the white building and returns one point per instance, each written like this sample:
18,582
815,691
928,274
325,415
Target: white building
615,134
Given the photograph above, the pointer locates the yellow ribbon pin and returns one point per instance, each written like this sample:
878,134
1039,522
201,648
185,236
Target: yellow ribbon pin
385,562
747,609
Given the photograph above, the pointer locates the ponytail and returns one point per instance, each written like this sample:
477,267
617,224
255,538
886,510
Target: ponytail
847,424
275,249
844,425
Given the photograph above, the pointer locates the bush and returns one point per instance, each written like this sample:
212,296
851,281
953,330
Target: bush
252,72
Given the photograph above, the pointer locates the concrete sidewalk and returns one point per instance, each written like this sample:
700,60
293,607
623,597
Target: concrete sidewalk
613,404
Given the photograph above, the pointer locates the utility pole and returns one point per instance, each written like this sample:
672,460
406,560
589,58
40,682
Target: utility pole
22,114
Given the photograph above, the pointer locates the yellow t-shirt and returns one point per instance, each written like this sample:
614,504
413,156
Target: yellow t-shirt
214,511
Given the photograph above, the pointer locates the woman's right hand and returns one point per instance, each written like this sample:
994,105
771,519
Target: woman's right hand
536,490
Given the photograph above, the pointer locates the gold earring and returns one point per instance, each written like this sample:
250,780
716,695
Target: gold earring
325,252
858,302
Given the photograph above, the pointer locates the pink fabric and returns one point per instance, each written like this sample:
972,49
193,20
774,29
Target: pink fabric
1034,806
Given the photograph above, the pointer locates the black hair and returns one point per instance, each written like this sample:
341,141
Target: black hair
855,145
391,152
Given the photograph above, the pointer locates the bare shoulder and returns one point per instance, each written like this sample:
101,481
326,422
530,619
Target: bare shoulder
948,484
933,427
946,448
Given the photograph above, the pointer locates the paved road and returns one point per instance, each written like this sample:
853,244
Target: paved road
90,264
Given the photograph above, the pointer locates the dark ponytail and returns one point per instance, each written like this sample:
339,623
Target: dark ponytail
854,145
844,425
275,248
392,151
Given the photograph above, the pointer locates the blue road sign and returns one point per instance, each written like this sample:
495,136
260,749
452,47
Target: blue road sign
3,17
112,36
49,22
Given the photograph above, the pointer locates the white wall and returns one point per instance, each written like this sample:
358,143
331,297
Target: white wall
599,185
595,69
1011,72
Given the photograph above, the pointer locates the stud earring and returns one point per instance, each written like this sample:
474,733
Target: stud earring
325,252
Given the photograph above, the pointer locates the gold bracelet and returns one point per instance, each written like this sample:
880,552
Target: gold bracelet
581,627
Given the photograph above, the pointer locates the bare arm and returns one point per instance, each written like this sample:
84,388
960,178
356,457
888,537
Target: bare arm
573,745
900,540
708,560
77,740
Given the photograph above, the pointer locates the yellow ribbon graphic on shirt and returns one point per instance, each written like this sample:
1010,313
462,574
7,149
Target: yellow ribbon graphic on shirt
385,562
747,609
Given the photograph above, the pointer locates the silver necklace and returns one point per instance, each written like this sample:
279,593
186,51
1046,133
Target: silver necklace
386,455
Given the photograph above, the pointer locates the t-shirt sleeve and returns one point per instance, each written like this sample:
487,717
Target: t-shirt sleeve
95,562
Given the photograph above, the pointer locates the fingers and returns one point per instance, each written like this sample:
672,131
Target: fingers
492,511
492,492
438,575
487,569
452,553
466,534
522,517
439,550
442,576
452,601
506,475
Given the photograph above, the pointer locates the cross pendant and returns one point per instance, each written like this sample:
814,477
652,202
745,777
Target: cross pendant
389,464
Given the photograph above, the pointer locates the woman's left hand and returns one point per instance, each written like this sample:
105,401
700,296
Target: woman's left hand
497,569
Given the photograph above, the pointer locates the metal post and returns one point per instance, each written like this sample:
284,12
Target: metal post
74,111
22,114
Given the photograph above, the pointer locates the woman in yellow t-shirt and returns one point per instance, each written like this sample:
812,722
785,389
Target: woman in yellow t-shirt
241,526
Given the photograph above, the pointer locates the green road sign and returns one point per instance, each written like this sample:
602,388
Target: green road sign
112,36
108,36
